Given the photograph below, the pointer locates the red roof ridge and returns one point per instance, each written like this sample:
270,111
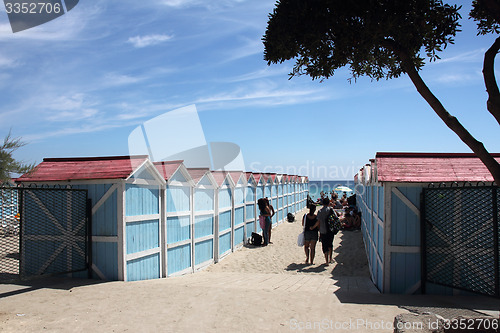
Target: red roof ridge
95,158
168,162
429,155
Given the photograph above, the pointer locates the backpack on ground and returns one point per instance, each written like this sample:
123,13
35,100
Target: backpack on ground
256,239
290,217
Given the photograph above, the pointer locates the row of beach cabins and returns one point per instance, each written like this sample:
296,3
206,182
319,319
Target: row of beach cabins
411,252
159,219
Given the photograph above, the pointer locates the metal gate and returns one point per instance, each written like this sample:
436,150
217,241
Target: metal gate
44,231
460,236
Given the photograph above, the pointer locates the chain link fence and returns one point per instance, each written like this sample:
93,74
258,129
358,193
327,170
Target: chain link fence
44,231
460,238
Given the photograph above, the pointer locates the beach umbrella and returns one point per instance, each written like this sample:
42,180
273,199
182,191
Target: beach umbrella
343,189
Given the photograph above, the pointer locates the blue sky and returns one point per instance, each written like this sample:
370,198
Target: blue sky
78,86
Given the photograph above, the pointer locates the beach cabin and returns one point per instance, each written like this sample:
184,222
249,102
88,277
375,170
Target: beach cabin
177,227
428,222
125,193
238,204
290,193
205,187
284,185
224,214
295,199
279,194
302,192
250,204
271,185
259,193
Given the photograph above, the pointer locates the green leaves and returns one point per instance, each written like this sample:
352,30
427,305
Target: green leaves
487,15
366,35
8,164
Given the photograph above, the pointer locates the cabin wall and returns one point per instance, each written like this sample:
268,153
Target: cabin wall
368,199
279,206
142,229
142,232
239,215
403,250
391,233
225,220
204,226
105,222
250,210
178,229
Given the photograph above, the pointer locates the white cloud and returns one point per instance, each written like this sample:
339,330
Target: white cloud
7,62
67,102
70,108
458,78
266,72
192,3
250,47
143,41
267,93
470,56
114,79
179,3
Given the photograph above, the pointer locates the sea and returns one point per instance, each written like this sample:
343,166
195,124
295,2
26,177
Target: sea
327,186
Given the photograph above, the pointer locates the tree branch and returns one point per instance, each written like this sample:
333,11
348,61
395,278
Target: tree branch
493,103
452,122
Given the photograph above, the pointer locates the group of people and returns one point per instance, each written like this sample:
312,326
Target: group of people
266,212
335,201
316,225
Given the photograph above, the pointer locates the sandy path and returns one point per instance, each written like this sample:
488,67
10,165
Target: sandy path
266,289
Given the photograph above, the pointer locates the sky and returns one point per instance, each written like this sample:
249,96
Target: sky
79,85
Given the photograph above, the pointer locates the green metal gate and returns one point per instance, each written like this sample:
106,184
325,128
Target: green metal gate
45,232
460,237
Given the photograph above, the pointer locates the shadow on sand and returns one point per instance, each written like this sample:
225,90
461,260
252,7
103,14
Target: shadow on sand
303,268
61,283
352,276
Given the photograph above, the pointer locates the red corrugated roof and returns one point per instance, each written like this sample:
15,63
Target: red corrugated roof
265,177
257,177
235,175
272,176
220,176
431,167
197,173
84,168
167,168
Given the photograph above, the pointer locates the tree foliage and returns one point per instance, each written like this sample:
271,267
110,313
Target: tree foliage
325,35
381,39
8,165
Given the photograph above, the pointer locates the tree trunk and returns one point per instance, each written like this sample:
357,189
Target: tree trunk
452,122
493,103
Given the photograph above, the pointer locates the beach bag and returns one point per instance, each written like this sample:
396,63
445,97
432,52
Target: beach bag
256,239
302,237
333,223
290,217
262,222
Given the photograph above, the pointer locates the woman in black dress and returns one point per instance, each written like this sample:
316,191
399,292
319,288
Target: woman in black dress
310,234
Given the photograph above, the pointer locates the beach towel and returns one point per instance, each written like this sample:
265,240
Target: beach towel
262,222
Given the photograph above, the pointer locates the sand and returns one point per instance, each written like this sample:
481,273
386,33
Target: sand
255,288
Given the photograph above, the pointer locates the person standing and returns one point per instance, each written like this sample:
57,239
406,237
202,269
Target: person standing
326,236
271,209
266,213
310,223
